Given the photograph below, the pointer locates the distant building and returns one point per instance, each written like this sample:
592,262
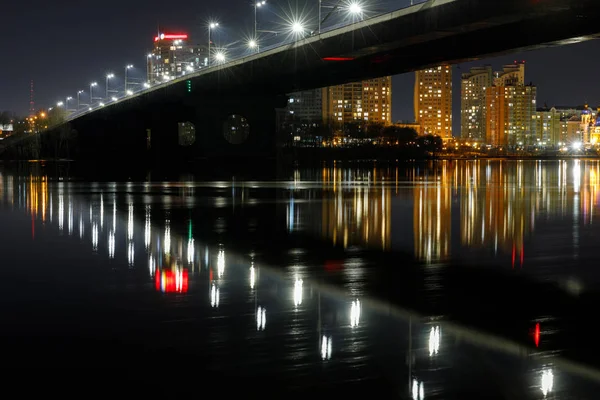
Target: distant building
511,109
172,56
548,127
306,106
366,101
433,101
472,109
412,125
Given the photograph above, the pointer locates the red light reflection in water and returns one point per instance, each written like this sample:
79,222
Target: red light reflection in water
536,335
172,281
334,265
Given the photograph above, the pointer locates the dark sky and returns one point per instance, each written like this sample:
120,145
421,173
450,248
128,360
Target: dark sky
64,48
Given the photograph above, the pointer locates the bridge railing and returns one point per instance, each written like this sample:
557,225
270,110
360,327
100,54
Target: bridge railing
383,9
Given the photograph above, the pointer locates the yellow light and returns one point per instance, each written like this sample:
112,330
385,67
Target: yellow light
42,115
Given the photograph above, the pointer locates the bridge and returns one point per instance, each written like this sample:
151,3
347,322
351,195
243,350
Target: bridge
201,104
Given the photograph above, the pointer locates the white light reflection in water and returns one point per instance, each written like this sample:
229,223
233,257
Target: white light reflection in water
547,382
326,347
95,236
418,390
355,313
61,211
434,340
111,244
214,296
261,319
131,254
151,266
101,211
190,251
81,226
168,237
252,277
130,223
70,223
576,176
298,292
221,263
147,228
114,221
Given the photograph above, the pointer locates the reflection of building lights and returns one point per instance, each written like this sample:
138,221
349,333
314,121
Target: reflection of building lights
168,281
81,226
130,223
434,340
190,251
111,244
261,319
221,263
252,277
418,391
114,219
298,292
214,296
355,313
547,382
130,254
95,236
326,348
167,238
101,211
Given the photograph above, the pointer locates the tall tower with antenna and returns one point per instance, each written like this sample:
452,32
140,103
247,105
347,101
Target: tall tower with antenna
31,102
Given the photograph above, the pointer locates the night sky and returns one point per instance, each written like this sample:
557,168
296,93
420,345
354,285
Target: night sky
65,48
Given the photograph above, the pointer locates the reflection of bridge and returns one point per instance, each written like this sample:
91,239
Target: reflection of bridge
434,32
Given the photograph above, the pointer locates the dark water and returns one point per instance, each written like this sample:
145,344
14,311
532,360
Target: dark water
440,280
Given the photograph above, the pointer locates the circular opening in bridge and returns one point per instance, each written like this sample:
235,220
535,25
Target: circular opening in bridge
236,129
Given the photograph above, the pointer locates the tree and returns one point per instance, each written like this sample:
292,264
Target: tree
6,117
403,135
430,143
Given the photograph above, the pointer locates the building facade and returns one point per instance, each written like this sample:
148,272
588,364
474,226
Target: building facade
366,101
472,109
172,56
548,127
433,101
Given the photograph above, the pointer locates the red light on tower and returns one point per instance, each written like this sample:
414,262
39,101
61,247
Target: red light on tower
171,36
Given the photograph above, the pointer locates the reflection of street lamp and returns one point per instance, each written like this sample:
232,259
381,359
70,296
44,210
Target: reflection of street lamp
211,26
127,68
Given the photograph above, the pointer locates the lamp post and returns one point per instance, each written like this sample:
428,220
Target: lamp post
92,85
127,68
108,76
257,5
67,102
78,102
211,26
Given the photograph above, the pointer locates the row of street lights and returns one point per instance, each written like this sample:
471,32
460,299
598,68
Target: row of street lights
296,28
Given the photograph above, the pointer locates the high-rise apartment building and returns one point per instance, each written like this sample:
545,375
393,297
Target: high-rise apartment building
548,127
173,56
433,101
306,106
369,100
472,110
511,109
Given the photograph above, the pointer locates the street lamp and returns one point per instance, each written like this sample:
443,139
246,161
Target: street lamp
256,6
211,26
220,56
252,44
78,103
92,86
59,104
67,102
127,68
108,76
297,28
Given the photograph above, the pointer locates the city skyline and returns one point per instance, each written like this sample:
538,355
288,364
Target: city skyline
77,64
